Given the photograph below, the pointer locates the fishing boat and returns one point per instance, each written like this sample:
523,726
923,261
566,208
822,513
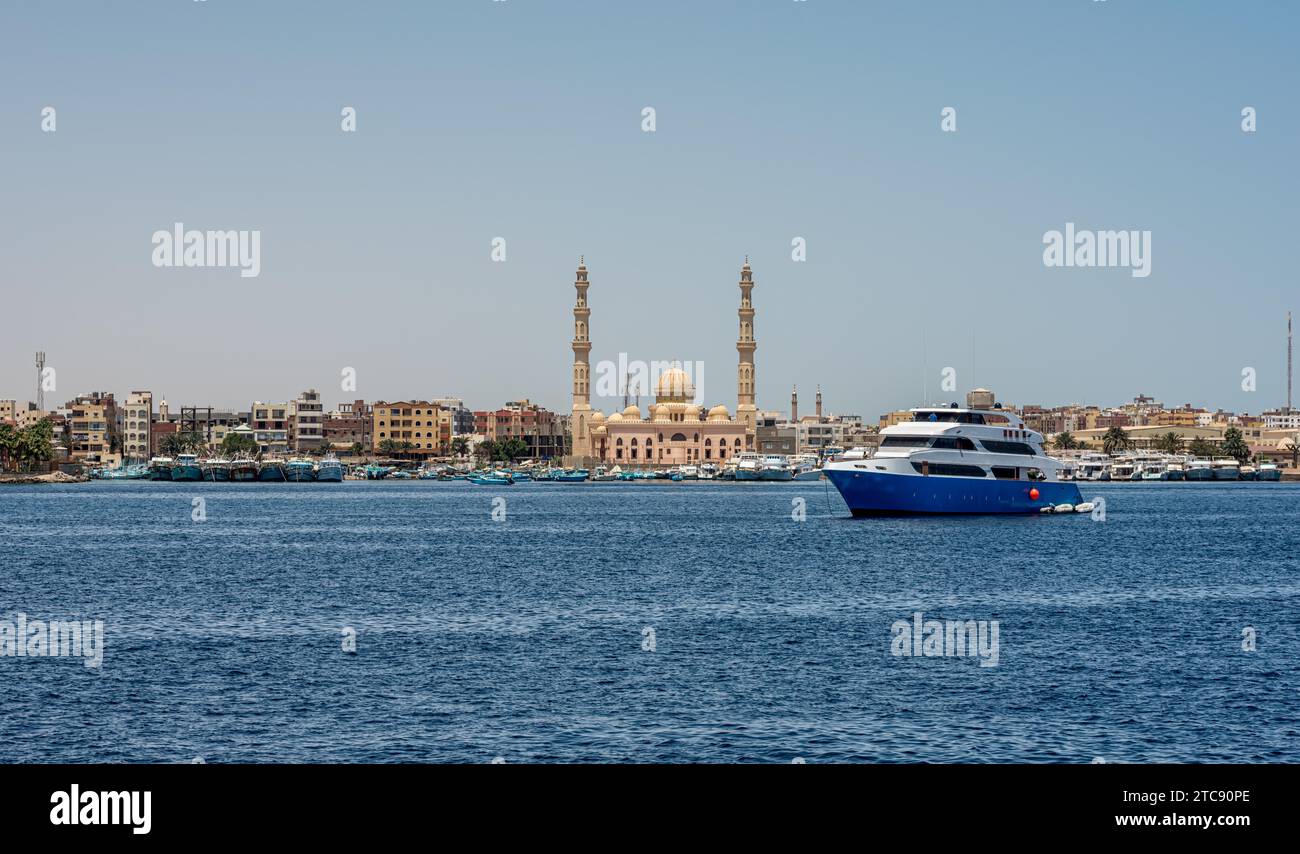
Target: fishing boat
134,471
690,472
217,471
401,474
243,469
1225,468
1175,470
187,468
1199,470
1269,471
602,474
708,471
160,468
330,470
954,461
1248,472
376,472
272,471
299,470
571,476
490,479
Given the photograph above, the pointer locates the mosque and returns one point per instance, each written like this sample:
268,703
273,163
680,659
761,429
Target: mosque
677,431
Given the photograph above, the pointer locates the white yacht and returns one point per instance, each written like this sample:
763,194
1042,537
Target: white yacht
748,466
777,467
806,467
954,461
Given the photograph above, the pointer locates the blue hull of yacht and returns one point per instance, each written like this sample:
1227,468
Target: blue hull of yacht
880,494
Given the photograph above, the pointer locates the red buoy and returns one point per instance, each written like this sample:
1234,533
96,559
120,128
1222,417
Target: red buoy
1033,495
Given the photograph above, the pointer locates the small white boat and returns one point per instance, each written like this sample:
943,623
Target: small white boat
1063,508
1085,507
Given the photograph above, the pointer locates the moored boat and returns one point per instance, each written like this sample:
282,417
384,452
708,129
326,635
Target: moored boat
216,471
776,467
330,470
187,468
243,469
1225,468
299,470
272,471
1269,471
1199,470
748,466
160,468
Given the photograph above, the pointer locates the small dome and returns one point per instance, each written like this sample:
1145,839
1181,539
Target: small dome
674,386
597,417
614,419
719,413
660,412
633,412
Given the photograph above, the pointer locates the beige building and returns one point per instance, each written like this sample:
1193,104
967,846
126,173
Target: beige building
137,425
677,430
422,423
308,421
8,410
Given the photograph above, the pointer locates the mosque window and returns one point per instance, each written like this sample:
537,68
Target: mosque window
679,437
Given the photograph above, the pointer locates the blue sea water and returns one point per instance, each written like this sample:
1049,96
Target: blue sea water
526,639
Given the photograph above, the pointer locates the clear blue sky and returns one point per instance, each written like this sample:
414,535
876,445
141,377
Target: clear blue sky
775,119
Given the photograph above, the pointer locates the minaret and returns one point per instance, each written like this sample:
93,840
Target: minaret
745,410
819,403
794,404
581,423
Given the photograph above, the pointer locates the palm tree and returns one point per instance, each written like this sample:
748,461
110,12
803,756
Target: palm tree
1234,445
388,447
9,444
171,445
1064,441
406,448
36,442
1201,448
486,450
513,449
460,446
1170,443
1115,440
238,445
358,449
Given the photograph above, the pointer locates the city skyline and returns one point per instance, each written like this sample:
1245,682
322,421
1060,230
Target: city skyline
818,121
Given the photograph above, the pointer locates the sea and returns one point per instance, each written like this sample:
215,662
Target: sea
646,622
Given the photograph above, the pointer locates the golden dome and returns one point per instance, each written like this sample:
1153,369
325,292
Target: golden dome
660,412
613,419
597,417
674,386
633,412
719,413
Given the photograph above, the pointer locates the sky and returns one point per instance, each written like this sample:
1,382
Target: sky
774,120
